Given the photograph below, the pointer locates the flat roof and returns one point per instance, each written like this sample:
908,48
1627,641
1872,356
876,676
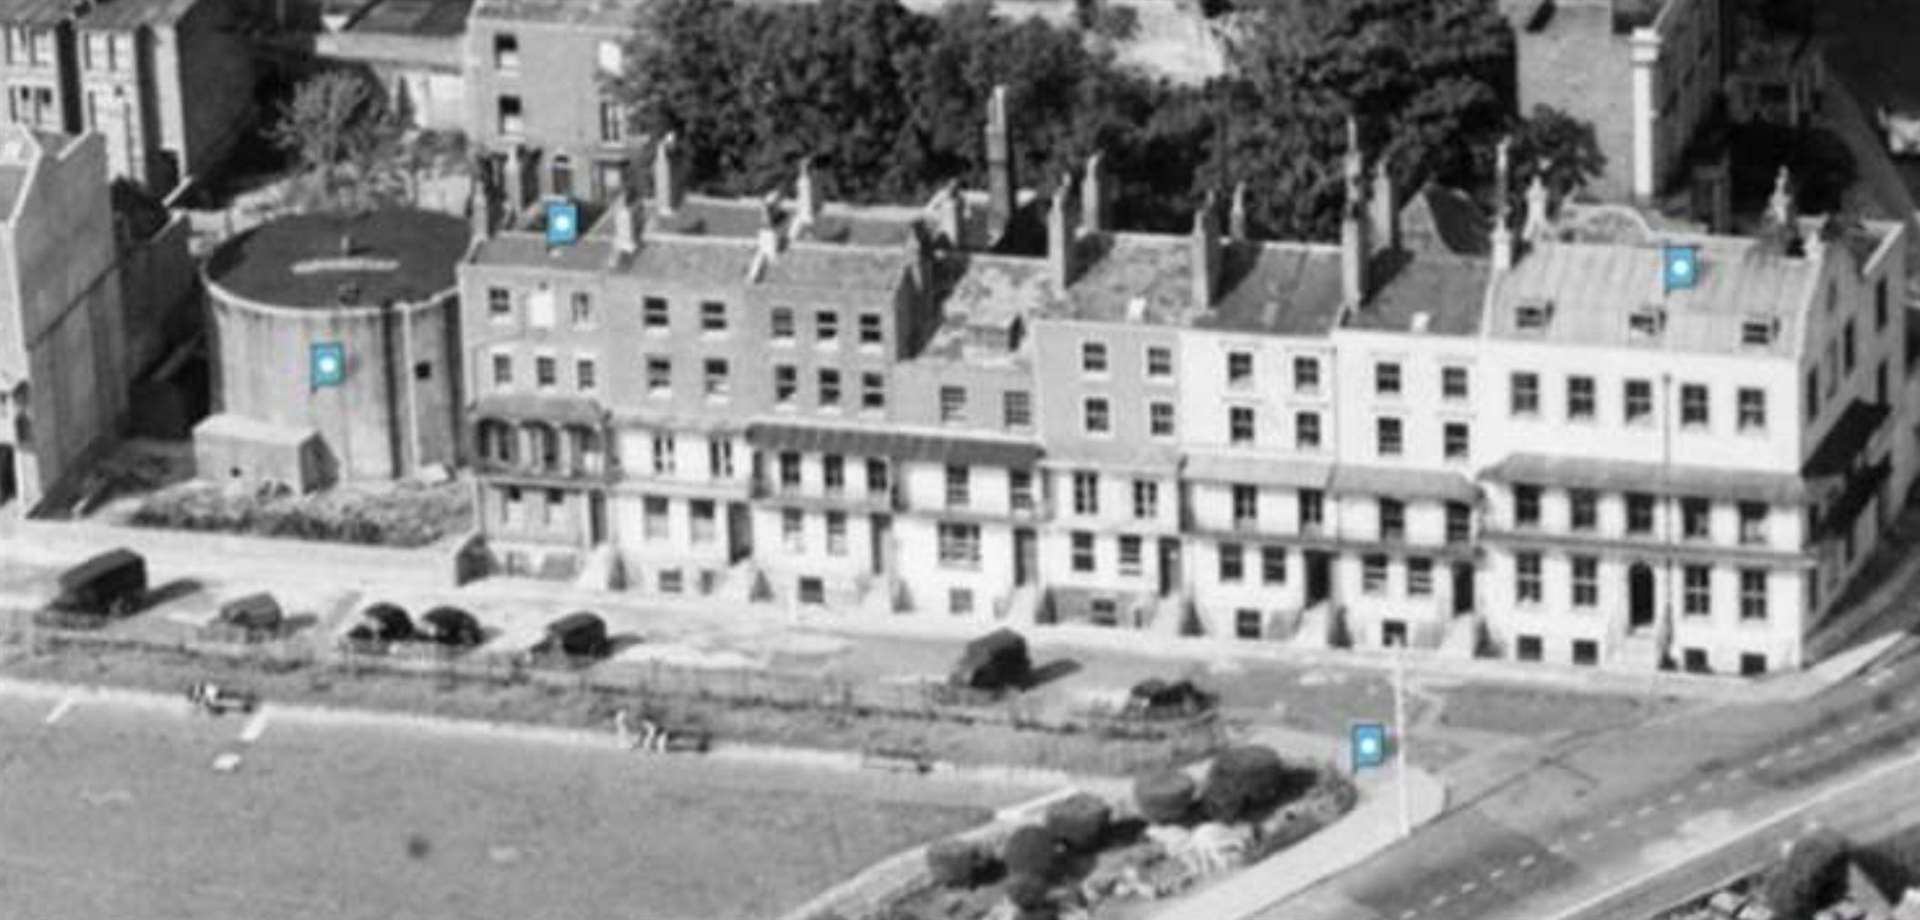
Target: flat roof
399,254
413,17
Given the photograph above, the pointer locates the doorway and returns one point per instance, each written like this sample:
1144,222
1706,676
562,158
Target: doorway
882,527
1319,577
596,518
561,172
1169,566
1025,558
1640,604
1462,588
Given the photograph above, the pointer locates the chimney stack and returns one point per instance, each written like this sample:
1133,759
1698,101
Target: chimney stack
666,175
626,236
769,230
1060,235
1237,216
1000,183
1094,202
483,205
1386,208
1355,250
949,208
1206,255
1539,223
1502,186
516,176
809,202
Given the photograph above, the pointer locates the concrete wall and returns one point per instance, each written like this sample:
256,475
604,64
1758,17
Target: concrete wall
158,280
203,71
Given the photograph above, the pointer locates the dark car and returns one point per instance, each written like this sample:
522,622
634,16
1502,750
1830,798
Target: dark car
113,583
453,627
1158,699
995,661
576,635
381,624
255,614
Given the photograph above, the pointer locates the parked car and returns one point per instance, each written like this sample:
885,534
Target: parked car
381,624
217,700
995,661
453,627
1158,699
576,635
112,584
255,614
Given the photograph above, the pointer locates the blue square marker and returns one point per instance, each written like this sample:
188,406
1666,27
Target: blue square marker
1680,267
328,364
1369,744
563,223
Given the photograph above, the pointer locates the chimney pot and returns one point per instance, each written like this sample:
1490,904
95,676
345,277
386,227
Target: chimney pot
1237,217
1502,236
1000,179
1205,255
1093,196
1060,234
666,174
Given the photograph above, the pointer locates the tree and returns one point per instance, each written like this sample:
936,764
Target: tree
1565,147
1811,877
338,117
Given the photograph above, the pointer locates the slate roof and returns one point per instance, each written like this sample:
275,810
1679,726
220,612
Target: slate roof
612,14
824,265
413,17
1112,269
1280,288
692,261
1450,290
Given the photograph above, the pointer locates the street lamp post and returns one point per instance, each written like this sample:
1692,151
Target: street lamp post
1400,733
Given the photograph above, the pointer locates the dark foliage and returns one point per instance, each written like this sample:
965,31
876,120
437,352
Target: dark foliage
1032,851
1030,894
1244,782
1080,822
1166,797
957,863
1813,876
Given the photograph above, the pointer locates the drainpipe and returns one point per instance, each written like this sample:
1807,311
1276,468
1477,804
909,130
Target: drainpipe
1666,472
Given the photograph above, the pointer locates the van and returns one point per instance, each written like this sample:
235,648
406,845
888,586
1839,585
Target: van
112,584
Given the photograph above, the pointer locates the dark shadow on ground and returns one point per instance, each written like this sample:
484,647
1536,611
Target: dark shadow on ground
1049,672
171,591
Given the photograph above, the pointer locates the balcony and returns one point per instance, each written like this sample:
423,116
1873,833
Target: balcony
889,500
590,468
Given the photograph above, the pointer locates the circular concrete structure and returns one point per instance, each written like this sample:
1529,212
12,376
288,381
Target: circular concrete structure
291,298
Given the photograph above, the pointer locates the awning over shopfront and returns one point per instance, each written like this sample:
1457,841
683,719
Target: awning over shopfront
1652,478
903,446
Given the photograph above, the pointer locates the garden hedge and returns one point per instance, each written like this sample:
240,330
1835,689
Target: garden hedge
1812,877
1029,893
1079,821
1165,797
1032,851
957,863
1244,782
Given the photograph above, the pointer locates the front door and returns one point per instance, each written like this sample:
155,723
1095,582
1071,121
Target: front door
596,518
1025,559
882,527
1640,604
6,473
1319,577
1462,588
1169,566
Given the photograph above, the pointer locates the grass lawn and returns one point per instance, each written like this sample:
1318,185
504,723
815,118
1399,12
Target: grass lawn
1524,711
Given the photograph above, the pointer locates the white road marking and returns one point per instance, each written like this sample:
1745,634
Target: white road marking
1796,750
1824,740
1468,888
1439,900
1616,822
1882,716
1644,811
1494,876
1764,762
1855,728
61,709
1676,798
1558,846
1586,836
1705,784
256,727
1409,914
1526,861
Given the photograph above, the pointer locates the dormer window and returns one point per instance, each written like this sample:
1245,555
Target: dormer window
1533,317
1647,322
1759,332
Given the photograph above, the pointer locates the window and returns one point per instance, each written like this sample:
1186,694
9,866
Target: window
499,302
546,371
98,51
786,382
1129,554
1373,574
1419,576
659,376
1752,664
1386,434
1455,440
423,370
1813,393
1016,408
663,453
872,330
1696,590
1526,506
1247,624
1756,332
826,327
1082,551
704,521
1159,361
1146,499
1638,401
833,473
1753,594
1160,419
1586,652
1240,425
1695,520
1586,581
836,533
716,385
613,122
873,390
1583,509
1306,430
1528,648
1233,563
789,469
783,326
1393,520
1306,375
959,601
1646,322
713,316
580,308
509,121
1096,415
540,307
960,546
1102,611
1239,368
793,530
1093,357
1313,507
876,477
1459,522
1524,394
1386,378
1526,583
1847,348
1086,493
653,312
1639,513
829,387
1693,405
959,486
1753,523
1532,317
1246,505
1753,409
653,518
1273,565
502,370
953,404
1453,382
1020,490
583,375
812,591
1580,399
506,52
720,458
1880,305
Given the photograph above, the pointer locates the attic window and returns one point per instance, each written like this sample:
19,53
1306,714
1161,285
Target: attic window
1647,322
1759,332
1533,317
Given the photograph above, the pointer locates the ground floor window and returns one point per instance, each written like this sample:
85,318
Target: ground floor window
1273,564
1246,624
1753,594
1373,574
813,591
1694,660
1104,612
959,601
1753,664
1526,579
672,581
1528,648
1393,633
1419,576
1586,652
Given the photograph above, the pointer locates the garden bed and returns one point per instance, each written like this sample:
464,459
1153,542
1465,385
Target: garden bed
399,514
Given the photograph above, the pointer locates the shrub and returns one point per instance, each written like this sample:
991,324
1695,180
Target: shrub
1243,782
1165,797
1813,875
1079,821
957,863
1032,851
1029,893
